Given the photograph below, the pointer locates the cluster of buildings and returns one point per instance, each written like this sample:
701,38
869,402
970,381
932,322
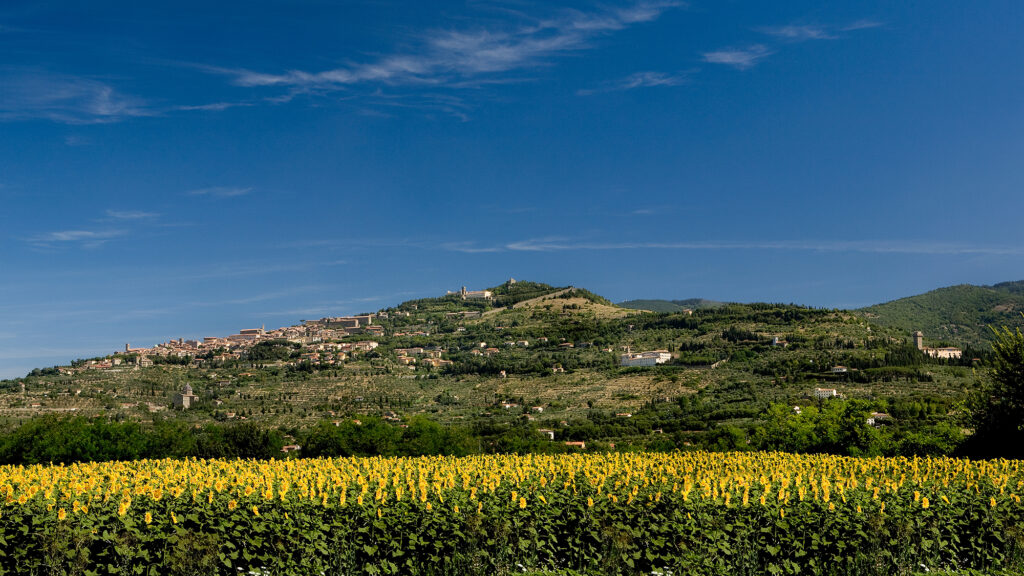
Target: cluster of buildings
948,352
331,353
310,332
102,364
484,350
645,358
474,294
315,336
423,356
341,326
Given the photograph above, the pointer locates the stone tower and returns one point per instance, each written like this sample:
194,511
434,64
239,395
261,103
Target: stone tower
919,340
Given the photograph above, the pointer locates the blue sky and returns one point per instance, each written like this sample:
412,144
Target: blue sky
190,169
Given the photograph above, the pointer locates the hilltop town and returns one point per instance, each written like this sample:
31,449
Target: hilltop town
319,340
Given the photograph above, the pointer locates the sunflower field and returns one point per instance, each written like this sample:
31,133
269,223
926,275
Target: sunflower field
626,513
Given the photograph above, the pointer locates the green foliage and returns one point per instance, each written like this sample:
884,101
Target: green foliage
271,351
841,427
998,414
668,306
65,440
587,295
508,294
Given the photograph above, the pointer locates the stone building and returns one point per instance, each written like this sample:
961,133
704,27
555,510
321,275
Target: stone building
185,399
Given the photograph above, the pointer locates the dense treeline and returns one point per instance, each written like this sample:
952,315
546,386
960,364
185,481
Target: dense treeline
64,440
915,426
51,439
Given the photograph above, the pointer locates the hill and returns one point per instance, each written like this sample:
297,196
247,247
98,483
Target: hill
959,315
517,363
670,305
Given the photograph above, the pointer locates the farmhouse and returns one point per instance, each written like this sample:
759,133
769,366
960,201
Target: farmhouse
824,393
645,358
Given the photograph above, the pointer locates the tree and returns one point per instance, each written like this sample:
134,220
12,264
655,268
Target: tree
998,410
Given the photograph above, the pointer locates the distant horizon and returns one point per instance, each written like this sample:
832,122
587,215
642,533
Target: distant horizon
183,172
14,373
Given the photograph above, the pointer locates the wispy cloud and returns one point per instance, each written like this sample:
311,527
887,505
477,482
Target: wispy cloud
113,224
741,58
804,32
64,98
340,306
464,58
862,25
221,191
130,214
861,246
74,140
747,57
213,107
83,238
646,79
76,100
799,32
235,270
469,247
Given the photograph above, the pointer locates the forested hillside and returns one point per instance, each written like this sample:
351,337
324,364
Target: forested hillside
957,315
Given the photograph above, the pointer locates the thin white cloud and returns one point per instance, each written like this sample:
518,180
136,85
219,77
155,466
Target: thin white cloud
804,32
130,214
740,58
83,238
861,246
221,191
646,79
750,56
336,307
64,98
263,269
450,57
472,248
213,107
862,25
74,140
76,100
799,32
118,224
